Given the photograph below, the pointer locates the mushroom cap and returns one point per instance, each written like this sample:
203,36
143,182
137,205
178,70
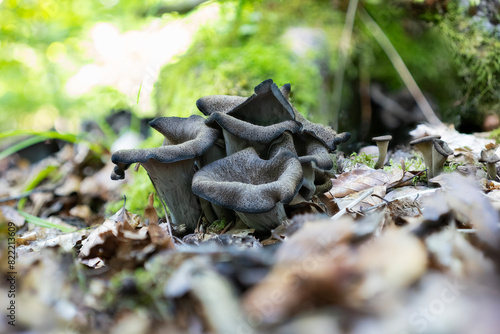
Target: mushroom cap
382,138
285,90
426,139
246,183
489,157
325,134
249,131
314,151
267,106
305,147
218,103
442,147
185,138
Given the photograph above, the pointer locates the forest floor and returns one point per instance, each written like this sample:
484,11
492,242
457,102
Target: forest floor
384,251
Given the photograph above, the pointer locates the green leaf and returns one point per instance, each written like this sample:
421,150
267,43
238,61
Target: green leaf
44,223
43,135
35,182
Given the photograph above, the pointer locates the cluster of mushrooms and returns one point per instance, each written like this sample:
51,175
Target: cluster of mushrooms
251,157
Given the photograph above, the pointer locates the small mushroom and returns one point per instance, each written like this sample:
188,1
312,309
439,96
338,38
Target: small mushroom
382,144
440,154
255,188
425,146
171,167
490,158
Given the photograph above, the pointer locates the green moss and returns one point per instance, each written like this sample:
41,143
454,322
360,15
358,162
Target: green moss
362,158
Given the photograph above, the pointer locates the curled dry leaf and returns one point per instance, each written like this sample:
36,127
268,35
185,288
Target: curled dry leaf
321,264
118,244
363,178
466,199
9,214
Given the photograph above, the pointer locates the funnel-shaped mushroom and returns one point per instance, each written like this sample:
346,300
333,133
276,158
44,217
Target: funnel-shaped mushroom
425,146
255,188
322,181
171,166
312,154
382,144
267,106
239,134
490,158
440,154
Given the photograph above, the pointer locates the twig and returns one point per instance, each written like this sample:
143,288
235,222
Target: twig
400,67
25,194
227,227
466,230
353,204
406,180
345,41
417,194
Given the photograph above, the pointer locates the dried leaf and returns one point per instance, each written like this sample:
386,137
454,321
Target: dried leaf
464,197
363,178
150,214
9,214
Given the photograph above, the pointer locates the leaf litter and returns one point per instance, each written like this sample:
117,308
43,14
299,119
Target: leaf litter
401,255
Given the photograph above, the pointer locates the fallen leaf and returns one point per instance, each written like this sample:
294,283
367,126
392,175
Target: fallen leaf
363,178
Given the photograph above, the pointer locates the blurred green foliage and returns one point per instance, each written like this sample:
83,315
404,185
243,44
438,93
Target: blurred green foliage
42,43
452,56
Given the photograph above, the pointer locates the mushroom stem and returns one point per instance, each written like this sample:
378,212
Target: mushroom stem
440,153
492,170
425,146
264,221
173,184
382,154
382,144
489,157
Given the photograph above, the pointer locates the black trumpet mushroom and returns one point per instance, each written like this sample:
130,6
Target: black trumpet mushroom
249,158
171,167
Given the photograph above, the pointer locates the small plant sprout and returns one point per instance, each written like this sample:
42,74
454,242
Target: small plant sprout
382,144
490,158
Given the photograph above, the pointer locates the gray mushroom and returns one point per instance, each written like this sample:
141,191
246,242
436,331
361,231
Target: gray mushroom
239,134
325,134
171,167
425,146
440,154
269,105
435,153
218,103
490,158
382,144
266,107
311,153
255,188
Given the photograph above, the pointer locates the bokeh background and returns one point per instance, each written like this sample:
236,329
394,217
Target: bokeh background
65,63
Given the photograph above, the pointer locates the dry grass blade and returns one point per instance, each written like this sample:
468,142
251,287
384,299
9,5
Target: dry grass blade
400,67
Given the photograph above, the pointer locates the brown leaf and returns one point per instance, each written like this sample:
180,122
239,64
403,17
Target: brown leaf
150,214
363,178
464,198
